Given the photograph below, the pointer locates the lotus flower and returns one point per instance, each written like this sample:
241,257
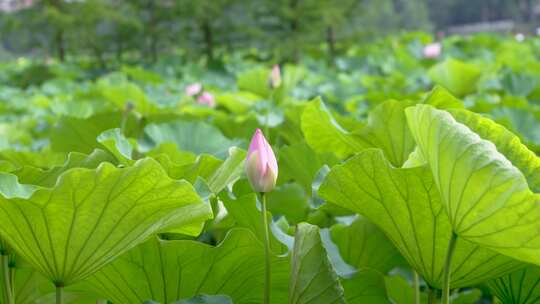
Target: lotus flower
206,99
261,165
432,50
193,89
275,77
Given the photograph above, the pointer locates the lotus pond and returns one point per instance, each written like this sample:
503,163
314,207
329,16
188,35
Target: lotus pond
394,176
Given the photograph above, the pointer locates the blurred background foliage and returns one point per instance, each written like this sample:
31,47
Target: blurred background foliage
118,31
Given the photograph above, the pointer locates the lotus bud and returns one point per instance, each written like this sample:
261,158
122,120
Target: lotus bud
275,77
193,89
206,99
432,50
261,164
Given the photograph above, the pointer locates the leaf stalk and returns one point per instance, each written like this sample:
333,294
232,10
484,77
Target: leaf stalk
267,252
448,270
8,289
59,294
416,287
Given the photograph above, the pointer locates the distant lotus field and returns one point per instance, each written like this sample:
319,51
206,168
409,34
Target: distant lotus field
407,172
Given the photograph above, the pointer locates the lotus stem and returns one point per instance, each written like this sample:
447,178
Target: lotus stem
448,270
432,295
8,290
416,288
12,282
59,294
267,253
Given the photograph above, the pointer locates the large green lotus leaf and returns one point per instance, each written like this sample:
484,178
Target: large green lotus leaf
523,121
401,291
506,143
324,134
363,245
300,163
218,174
255,81
290,129
289,200
6,166
91,216
485,193
316,265
30,285
120,94
442,99
236,126
238,102
458,77
176,156
245,213
466,297
142,75
406,205
312,279
68,298
197,137
229,171
80,135
366,286
191,167
41,159
520,287
518,84
47,177
116,143
166,271
386,129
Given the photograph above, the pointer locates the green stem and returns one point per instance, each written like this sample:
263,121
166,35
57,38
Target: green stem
266,250
448,269
416,288
59,294
8,290
12,282
432,296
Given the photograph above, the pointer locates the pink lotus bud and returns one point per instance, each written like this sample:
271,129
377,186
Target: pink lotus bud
275,77
432,50
206,99
261,165
193,89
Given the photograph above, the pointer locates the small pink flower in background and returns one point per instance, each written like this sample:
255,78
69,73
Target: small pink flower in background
275,76
193,89
261,164
206,99
433,50
520,37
